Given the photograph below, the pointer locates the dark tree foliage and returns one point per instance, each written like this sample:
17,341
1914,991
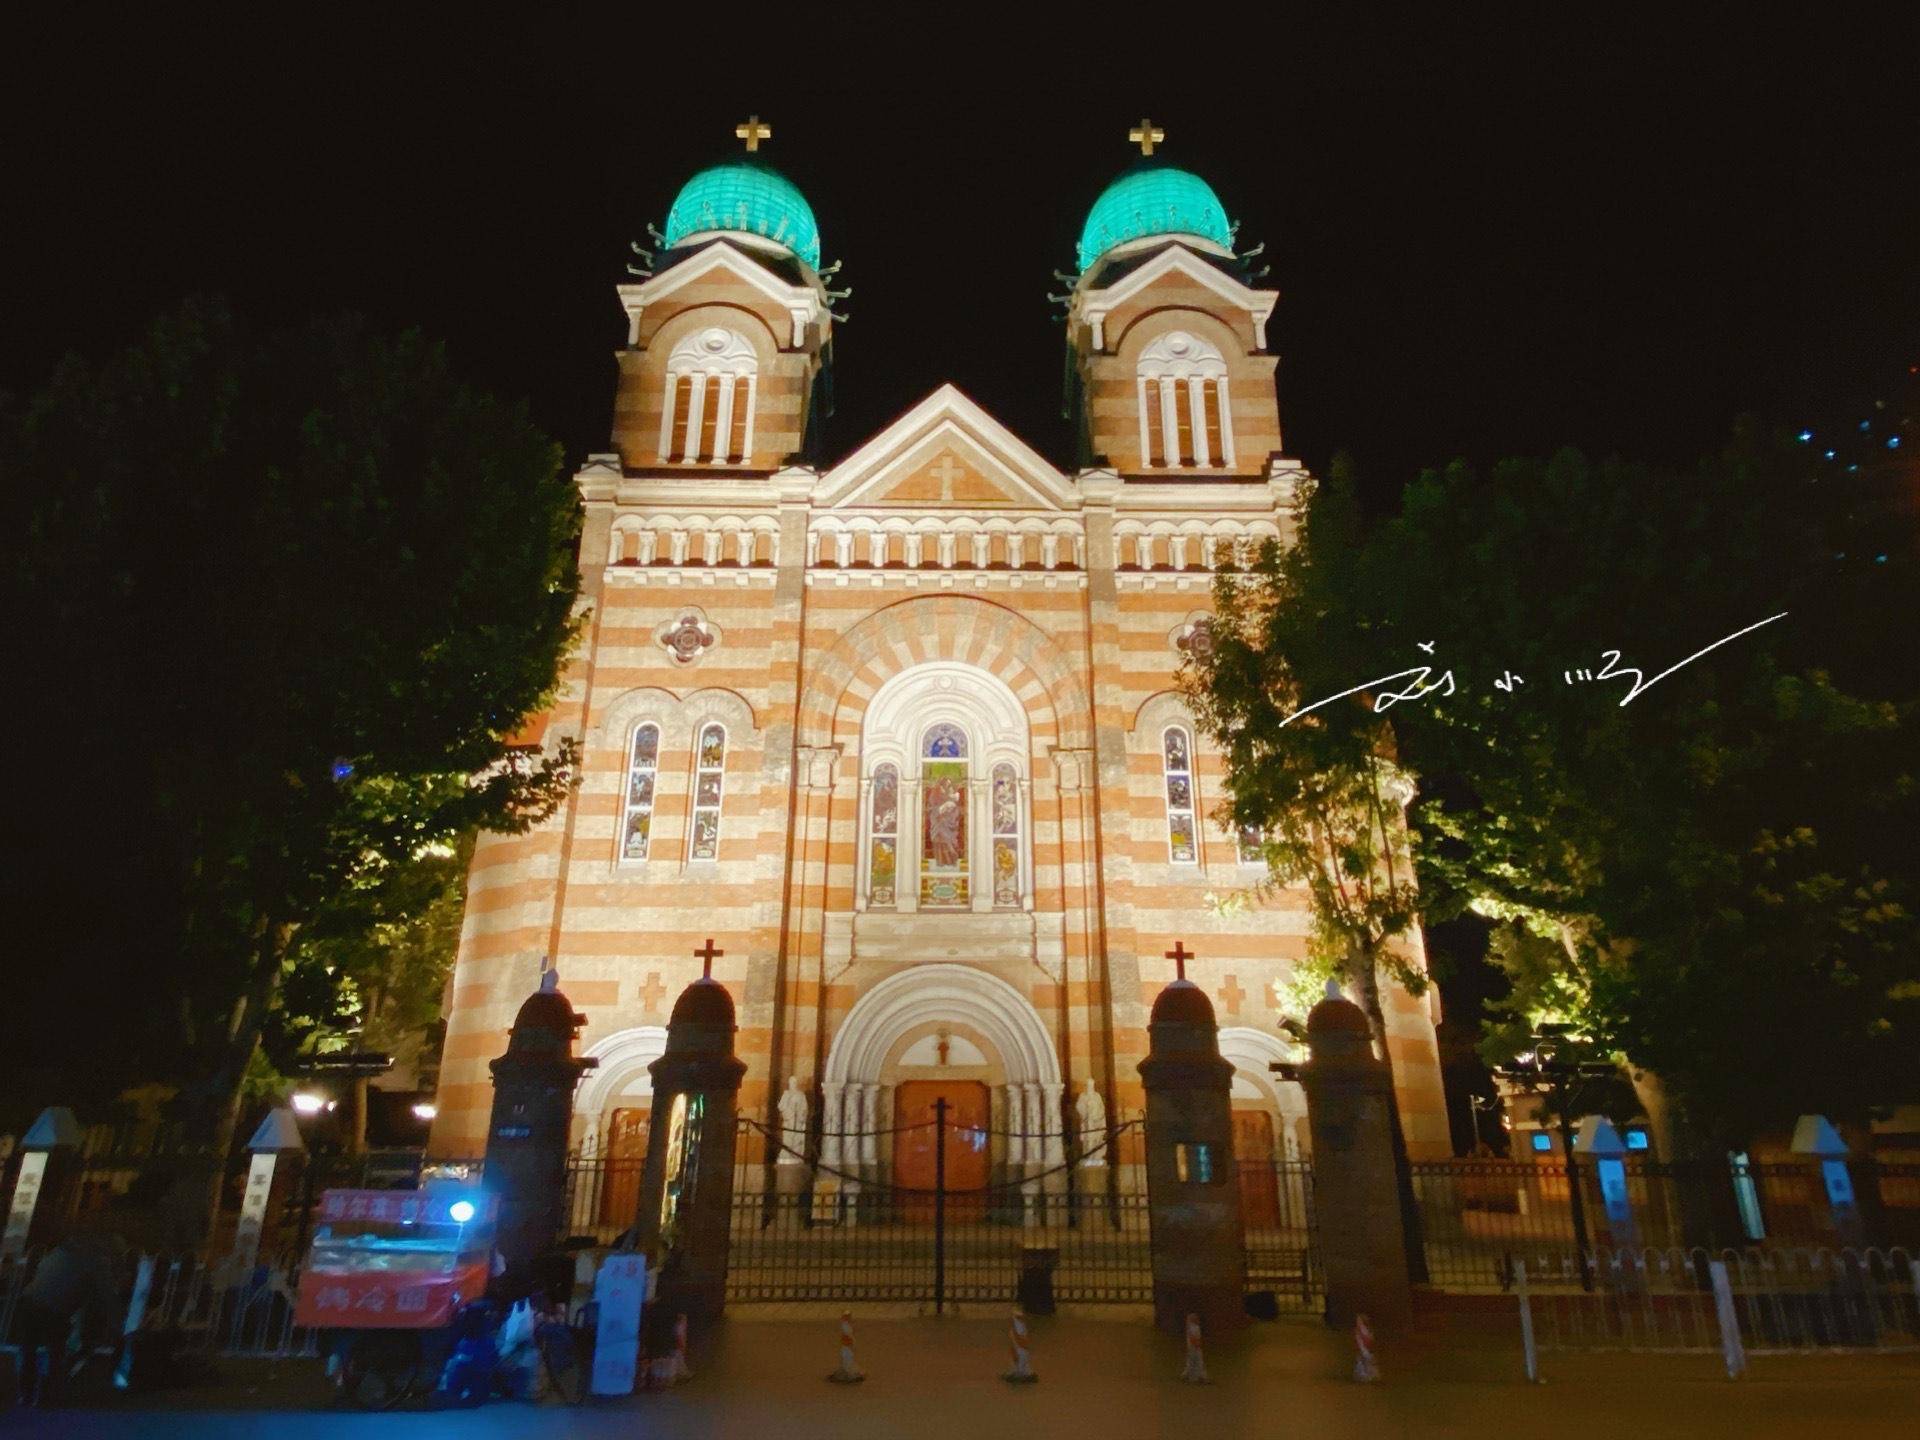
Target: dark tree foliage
279,602
1726,866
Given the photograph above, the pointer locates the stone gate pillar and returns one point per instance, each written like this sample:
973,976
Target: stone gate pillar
526,1159
1193,1192
1362,1242
46,1187
686,1192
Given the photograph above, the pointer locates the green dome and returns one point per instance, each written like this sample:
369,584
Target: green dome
746,196
1153,200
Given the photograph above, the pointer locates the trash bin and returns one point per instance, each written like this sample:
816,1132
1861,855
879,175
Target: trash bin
1035,1289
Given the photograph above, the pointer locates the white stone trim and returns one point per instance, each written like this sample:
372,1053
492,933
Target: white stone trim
948,417
935,993
620,1054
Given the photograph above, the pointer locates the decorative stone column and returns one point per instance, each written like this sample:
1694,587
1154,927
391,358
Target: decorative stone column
686,1190
44,1189
870,1129
832,1116
1193,1194
1054,1155
278,1134
1815,1138
526,1157
1362,1243
1600,1143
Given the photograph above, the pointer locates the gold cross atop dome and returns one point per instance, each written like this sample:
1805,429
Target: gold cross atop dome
1146,135
753,132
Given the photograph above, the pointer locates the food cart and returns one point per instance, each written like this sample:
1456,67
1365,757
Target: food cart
387,1273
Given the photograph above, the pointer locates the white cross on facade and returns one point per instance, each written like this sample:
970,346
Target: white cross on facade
946,472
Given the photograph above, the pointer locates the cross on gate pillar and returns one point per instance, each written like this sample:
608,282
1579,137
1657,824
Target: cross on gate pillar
1193,1192
686,1190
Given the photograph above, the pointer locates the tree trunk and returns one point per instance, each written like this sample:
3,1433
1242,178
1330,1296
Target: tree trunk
357,1124
217,1119
1402,1167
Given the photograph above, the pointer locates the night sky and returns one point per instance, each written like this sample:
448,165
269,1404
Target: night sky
1619,241
1485,245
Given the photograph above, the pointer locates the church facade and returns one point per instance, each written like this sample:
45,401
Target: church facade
899,733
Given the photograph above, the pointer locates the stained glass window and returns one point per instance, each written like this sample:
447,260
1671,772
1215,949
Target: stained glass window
943,818
1176,752
1006,836
709,772
1253,844
883,833
643,767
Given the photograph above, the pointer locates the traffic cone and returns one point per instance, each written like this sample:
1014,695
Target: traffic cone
1022,1371
1366,1370
1195,1370
672,1369
849,1372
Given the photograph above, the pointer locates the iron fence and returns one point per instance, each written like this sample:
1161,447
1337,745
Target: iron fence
201,1309
1479,1218
889,1243
1276,1211
1735,1302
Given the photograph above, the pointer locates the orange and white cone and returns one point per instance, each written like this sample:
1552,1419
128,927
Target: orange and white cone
1022,1371
1195,1370
849,1372
1366,1370
672,1369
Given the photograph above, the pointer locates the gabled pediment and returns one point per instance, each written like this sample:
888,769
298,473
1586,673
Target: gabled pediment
946,454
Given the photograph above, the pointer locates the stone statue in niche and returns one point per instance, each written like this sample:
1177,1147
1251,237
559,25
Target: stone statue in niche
1091,1111
687,639
793,1123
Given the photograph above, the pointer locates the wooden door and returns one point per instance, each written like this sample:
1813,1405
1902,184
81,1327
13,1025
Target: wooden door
625,1158
968,1162
1253,1153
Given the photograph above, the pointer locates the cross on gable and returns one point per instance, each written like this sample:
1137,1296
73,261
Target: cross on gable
1180,955
1233,995
946,472
753,132
651,992
707,955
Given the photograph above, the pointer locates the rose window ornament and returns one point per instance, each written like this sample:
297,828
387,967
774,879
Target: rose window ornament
1195,640
688,638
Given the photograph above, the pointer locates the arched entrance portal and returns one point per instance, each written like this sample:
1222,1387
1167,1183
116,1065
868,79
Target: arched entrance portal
613,1112
936,1031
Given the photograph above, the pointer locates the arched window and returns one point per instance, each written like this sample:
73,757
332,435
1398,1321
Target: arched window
709,771
943,818
1176,761
643,767
1184,416
883,860
706,416
1005,803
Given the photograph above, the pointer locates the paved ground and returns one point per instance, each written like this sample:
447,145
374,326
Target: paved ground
1102,1379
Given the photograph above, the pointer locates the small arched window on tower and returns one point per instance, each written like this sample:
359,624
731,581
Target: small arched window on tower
643,768
1176,764
709,771
883,856
1185,420
706,416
